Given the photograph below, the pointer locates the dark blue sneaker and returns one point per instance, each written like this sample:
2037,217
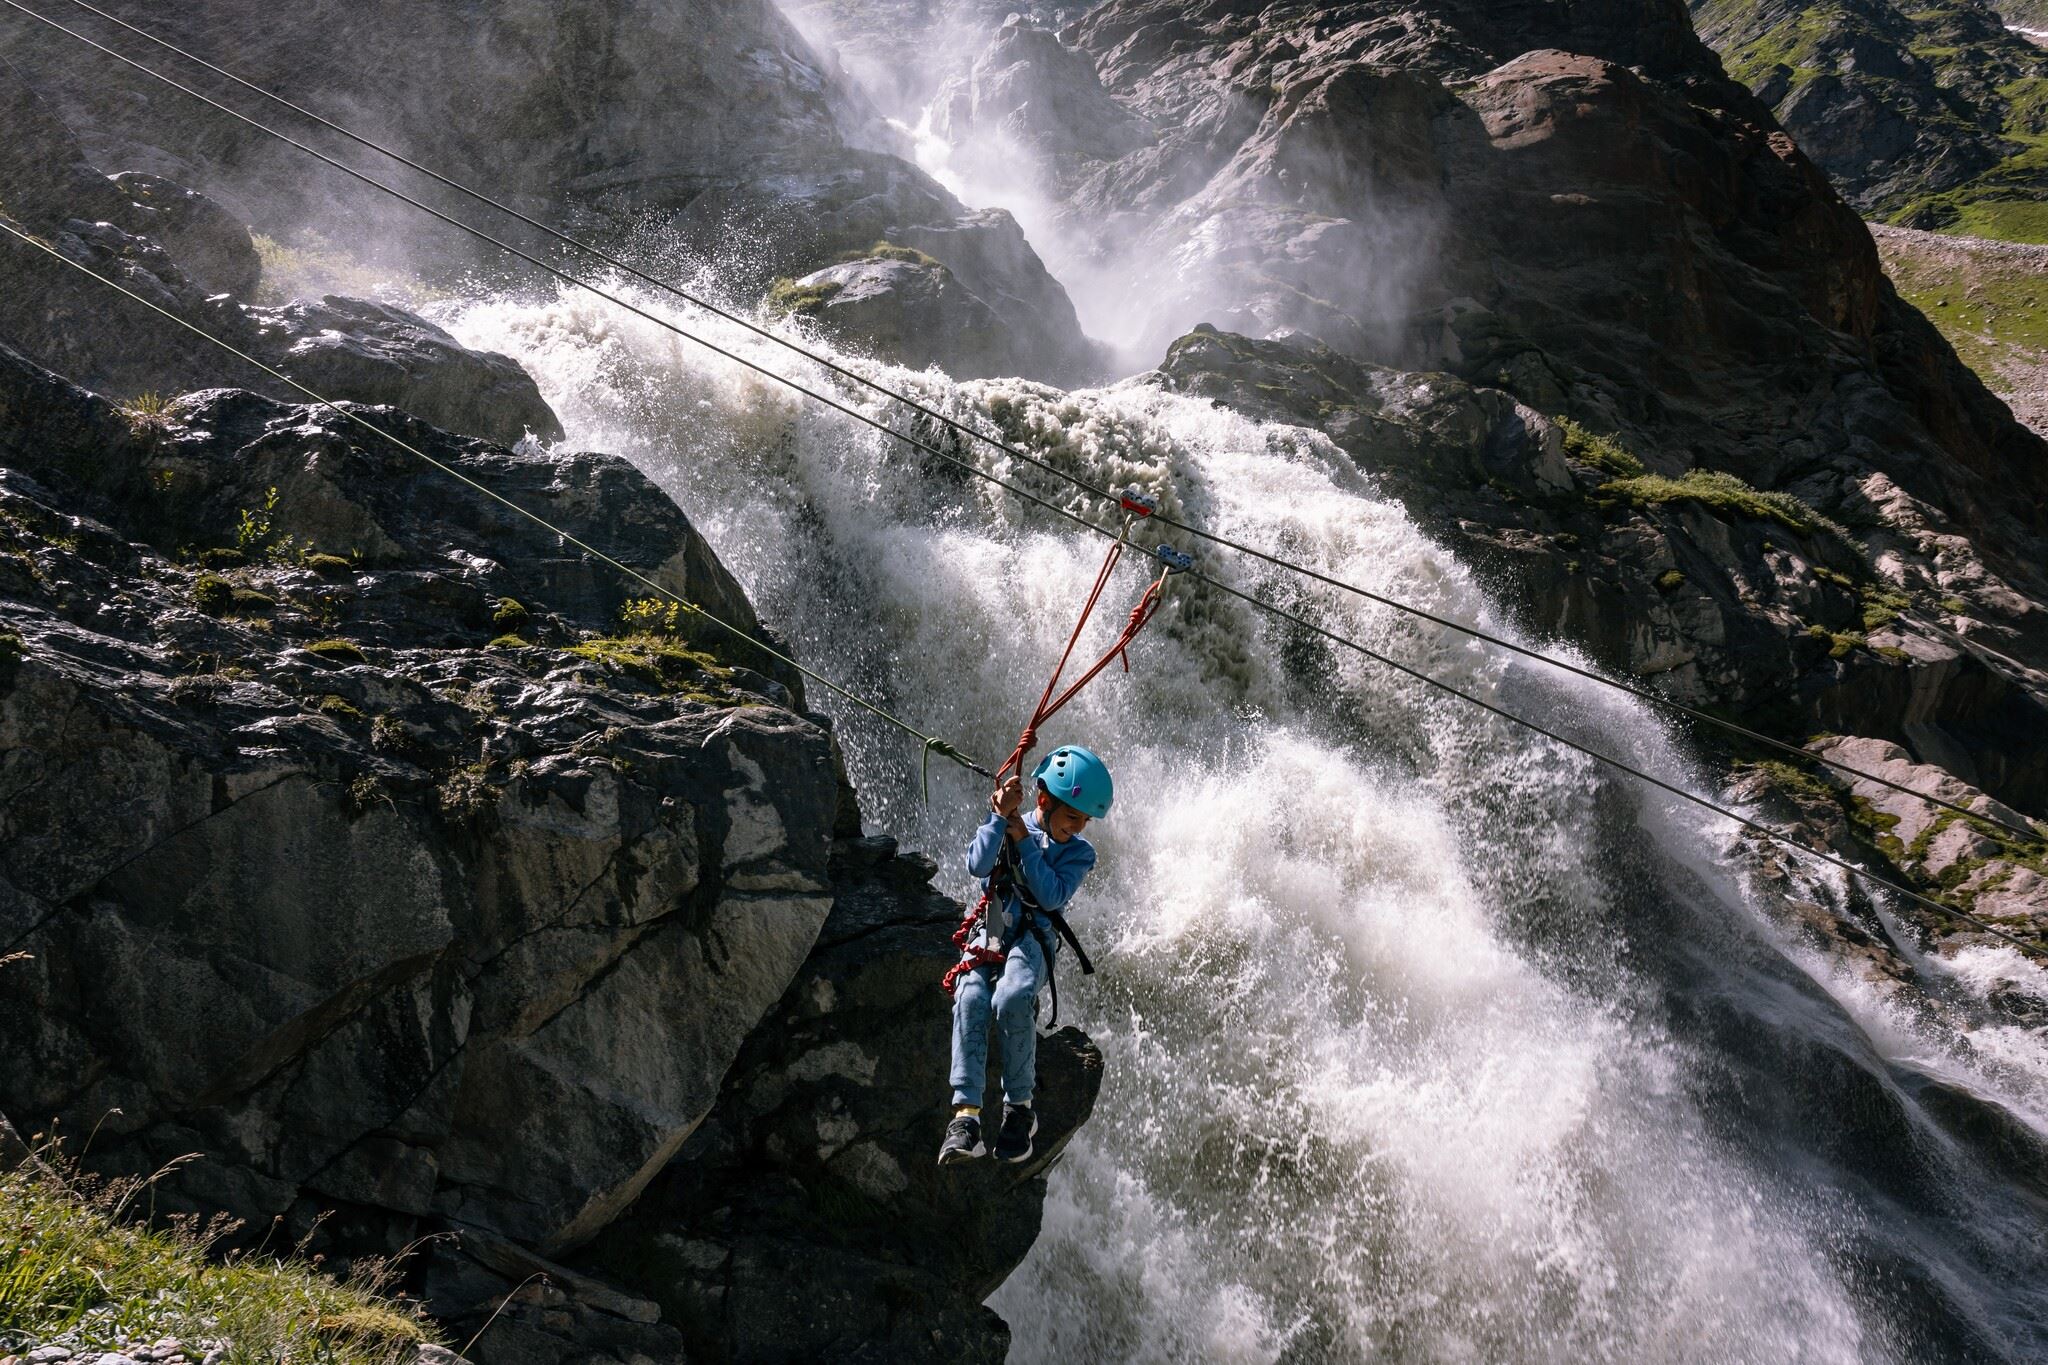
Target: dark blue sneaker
1020,1125
963,1140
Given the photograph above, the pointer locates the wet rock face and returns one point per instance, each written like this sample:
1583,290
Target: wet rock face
909,309
1705,590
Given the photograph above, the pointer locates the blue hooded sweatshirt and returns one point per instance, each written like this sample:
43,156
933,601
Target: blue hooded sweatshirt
1052,872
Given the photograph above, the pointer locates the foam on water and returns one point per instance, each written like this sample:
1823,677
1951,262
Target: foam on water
1384,1077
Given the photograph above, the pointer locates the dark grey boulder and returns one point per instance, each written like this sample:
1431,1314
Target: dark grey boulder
913,312
376,353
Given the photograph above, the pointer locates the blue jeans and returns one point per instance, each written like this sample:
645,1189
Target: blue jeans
1013,999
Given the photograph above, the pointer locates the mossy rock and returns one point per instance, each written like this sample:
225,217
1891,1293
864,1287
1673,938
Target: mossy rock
221,557
248,599
1671,580
662,662
337,707
329,566
786,296
510,617
342,652
509,642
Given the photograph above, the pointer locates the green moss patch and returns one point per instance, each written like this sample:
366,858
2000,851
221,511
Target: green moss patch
338,651
1603,453
786,296
661,662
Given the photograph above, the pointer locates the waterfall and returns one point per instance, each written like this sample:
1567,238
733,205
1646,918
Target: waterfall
1424,1038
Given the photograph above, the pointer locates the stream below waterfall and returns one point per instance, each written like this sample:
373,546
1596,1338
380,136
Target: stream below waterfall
1425,1039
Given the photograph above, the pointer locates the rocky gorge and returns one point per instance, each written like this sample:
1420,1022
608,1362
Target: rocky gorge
433,881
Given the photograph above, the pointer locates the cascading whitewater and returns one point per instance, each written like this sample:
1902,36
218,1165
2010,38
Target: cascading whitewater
1425,1039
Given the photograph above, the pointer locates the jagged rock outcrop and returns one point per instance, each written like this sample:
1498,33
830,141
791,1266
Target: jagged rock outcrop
1927,114
431,883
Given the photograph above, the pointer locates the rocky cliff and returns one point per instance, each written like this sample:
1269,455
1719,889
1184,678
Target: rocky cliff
417,876
1581,303
1927,115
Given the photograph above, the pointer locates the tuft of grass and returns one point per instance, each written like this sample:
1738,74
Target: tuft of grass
338,707
1670,581
1720,491
1840,642
12,648
1603,453
659,661
75,1265
786,296
148,414
338,651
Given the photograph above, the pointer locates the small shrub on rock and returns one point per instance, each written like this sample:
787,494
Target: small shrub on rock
511,616
786,296
1603,453
213,594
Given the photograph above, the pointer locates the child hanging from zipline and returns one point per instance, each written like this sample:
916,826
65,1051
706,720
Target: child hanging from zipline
1030,865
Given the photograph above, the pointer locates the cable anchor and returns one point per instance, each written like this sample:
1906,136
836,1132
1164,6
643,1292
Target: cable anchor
1176,561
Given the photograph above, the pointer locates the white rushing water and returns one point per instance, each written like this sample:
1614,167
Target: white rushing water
1400,1059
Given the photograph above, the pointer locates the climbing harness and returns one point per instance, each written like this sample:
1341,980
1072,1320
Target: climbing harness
979,946
1643,694
924,410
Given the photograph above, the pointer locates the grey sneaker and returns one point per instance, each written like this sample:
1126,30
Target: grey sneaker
1020,1125
963,1141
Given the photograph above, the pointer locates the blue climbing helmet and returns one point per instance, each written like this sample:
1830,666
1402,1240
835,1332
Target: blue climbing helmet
1077,777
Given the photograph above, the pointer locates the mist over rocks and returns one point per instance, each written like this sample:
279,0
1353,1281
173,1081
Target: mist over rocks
713,127
187,255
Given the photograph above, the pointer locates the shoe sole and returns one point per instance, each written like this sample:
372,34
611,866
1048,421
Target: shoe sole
1024,1155
953,1156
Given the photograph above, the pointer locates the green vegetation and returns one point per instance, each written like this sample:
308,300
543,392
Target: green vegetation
213,594
337,707
338,651
510,617
12,649
786,296
1722,492
76,1267
1839,642
1603,453
1881,606
327,566
1990,302
889,251
1983,100
148,416
222,558
1670,581
651,651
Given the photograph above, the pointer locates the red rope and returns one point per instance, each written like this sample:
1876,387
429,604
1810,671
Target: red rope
1027,740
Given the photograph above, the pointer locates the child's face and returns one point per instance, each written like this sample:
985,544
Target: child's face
1060,821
